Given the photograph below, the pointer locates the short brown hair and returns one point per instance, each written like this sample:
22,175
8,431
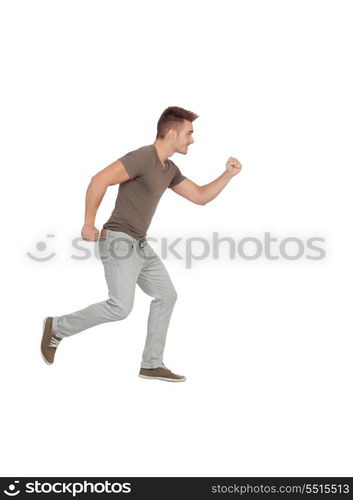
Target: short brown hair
173,117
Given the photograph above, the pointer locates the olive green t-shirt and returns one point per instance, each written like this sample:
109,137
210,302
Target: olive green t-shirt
138,197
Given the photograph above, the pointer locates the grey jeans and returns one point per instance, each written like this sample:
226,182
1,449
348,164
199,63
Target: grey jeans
126,262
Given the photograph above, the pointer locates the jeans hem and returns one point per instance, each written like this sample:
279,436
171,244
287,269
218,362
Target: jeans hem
55,327
151,365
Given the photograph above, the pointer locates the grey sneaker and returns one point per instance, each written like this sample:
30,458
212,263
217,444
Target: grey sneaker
49,341
161,373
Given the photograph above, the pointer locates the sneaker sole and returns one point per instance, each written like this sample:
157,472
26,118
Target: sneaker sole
163,378
46,361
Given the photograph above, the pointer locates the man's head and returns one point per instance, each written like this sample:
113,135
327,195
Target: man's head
175,128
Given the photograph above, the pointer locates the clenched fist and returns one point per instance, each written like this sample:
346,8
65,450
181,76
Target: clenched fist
233,166
89,233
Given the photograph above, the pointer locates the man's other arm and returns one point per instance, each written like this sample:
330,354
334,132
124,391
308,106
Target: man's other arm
203,194
115,173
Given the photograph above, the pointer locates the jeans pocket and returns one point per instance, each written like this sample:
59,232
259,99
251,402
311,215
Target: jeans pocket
147,252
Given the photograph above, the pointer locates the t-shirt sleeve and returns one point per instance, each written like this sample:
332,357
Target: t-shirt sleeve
134,162
178,176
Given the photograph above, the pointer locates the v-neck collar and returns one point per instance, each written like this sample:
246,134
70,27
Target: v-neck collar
165,166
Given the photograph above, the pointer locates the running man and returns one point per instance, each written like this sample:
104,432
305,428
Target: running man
143,175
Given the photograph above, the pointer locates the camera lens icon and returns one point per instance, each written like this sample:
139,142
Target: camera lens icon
13,490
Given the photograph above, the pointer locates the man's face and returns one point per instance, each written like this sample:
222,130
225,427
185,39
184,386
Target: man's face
184,138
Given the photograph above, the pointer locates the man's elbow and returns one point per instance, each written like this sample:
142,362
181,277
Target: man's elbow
95,178
200,198
97,186
99,181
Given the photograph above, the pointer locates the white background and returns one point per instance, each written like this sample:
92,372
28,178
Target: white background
266,345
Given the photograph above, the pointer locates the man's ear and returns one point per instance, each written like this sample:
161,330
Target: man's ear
176,132
171,134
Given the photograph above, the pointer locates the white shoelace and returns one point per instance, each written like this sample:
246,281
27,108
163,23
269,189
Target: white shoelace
54,342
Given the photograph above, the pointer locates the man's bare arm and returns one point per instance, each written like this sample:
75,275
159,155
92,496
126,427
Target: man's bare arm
211,190
115,173
203,194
